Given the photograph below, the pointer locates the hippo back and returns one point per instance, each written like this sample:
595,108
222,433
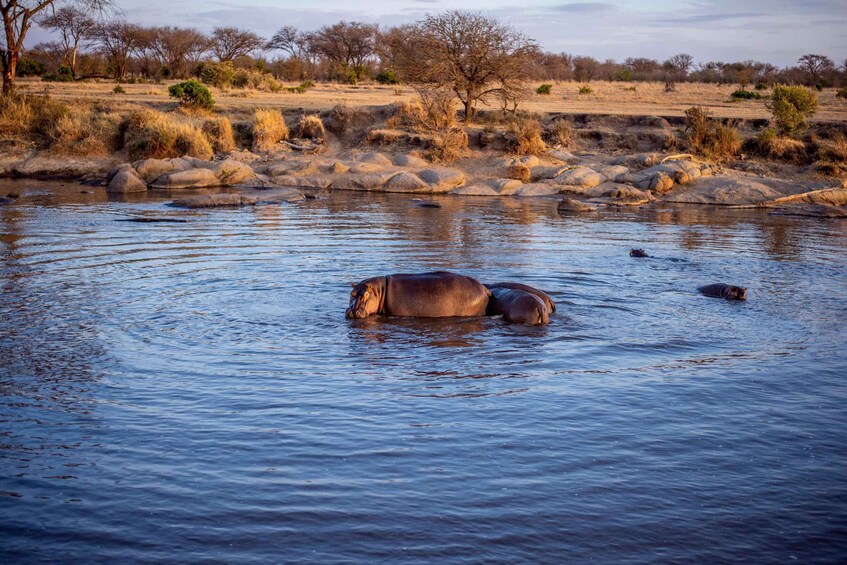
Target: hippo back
434,295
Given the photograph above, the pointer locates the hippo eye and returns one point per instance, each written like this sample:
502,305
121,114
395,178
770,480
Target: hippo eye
352,294
365,294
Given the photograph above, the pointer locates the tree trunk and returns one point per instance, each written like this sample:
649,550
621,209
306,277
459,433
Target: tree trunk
73,61
469,109
10,63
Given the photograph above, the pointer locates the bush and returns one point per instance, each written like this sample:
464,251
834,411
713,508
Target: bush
842,93
268,129
448,146
711,139
303,88
148,134
218,132
432,112
544,89
745,95
791,107
30,68
192,94
62,74
387,77
770,145
525,138
248,78
311,127
559,133
118,90
219,75
761,86
585,90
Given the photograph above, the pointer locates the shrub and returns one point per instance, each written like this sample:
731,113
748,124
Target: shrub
248,78
761,86
218,132
544,89
387,77
585,90
711,139
219,75
62,74
745,95
519,171
448,146
432,111
192,94
842,93
304,86
268,129
149,134
85,132
525,138
560,133
631,89
30,68
769,144
791,107
118,90
724,142
311,127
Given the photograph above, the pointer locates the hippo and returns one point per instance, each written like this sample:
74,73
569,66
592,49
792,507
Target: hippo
551,306
724,291
426,295
638,253
518,306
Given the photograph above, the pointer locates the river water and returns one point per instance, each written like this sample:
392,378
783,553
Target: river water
192,392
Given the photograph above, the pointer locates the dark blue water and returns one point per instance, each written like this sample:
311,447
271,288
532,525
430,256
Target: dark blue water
192,391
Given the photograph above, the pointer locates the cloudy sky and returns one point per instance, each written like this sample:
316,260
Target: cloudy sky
776,31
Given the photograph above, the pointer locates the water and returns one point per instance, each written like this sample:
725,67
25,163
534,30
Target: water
192,391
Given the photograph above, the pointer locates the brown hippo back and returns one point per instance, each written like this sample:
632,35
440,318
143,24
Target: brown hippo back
727,291
551,306
425,295
518,306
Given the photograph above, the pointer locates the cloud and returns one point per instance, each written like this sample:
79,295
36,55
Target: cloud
709,18
583,7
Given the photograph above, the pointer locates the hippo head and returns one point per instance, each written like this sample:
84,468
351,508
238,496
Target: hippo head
364,300
736,293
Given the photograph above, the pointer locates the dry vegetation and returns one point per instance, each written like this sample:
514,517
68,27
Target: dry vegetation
268,129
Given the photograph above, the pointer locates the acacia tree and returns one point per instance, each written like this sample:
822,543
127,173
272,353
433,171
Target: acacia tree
815,66
230,43
347,46
474,56
118,40
175,47
72,24
18,17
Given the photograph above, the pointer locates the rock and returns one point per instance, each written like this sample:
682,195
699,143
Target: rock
612,172
581,177
365,168
537,189
574,206
442,180
726,191
191,178
299,181
125,182
244,156
406,182
230,172
828,197
374,159
222,200
811,210
504,187
487,138
47,167
151,169
475,190
661,183
6,200
370,182
257,183
338,168
403,160
640,160
628,196
564,156
292,168
529,160
546,173
519,171
120,168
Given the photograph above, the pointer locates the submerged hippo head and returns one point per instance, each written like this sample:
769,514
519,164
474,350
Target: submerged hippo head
735,293
365,299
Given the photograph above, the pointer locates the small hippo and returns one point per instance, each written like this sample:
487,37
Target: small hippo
638,253
426,295
518,307
551,306
727,291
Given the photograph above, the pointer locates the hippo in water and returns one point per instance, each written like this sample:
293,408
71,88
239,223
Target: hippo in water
724,291
551,306
638,253
518,306
426,295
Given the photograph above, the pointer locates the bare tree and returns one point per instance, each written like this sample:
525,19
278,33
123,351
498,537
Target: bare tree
474,56
815,66
72,25
230,43
176,47
287,39
118,40
18,17
347,46
676,70
585,68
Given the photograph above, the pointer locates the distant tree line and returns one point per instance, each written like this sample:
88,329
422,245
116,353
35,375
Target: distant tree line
354,51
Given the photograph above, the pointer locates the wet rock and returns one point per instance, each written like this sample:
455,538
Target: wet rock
191,178
299,181
125,182
811,211
374,159
475,190
828,197
46,167
6,200
120,168
223,200
726,191
537,189
442,180
580,177
638,253
151,169
628,196
365,168
410,161
279,196
230,172
569,205
504,187
406,182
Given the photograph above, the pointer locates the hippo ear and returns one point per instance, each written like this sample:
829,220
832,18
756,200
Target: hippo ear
352,284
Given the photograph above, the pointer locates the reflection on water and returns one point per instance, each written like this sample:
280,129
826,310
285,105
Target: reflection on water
193,388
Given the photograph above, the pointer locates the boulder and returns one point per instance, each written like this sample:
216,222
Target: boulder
475,190
726,191
120,168
564,156
410,161
191,178
292,168
338,168
638,161
529,160
151,169
406,182
504,187
230,172
370,182
612,172
580,177
569,205
827,197
660,183
223,200
518,171
374,159
312,181
542,172
366,168
46,167
442,180
537,189
125,182
628,196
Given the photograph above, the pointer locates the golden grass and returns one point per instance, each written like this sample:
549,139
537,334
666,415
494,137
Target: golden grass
311,127
268,129
152,135
448,146
525,138
559,133
218,132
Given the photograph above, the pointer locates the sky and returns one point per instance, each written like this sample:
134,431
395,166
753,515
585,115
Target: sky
774,31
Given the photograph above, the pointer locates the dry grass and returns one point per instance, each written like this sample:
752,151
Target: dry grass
525,138
519,171
433,111
218,132
772,146
152,135
560,133
311,127
268,129
448,146
713,140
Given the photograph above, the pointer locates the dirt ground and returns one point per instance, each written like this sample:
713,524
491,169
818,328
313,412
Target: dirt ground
607,98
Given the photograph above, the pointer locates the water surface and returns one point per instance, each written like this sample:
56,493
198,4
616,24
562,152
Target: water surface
192,391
